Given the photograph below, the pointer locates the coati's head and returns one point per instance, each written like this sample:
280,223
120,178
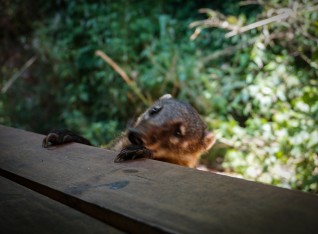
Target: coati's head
173,131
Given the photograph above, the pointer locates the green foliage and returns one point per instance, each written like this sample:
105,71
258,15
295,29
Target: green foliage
270,91
256,90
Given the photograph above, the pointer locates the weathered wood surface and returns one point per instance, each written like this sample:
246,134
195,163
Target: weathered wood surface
25,211
150,196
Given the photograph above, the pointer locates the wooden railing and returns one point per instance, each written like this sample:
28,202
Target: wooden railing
79,189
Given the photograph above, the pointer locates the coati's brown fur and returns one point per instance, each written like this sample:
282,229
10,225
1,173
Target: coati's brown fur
169,130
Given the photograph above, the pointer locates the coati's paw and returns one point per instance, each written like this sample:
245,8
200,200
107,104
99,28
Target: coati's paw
62,136
132,152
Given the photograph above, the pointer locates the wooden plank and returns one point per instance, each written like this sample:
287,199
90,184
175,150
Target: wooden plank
24,211
151,196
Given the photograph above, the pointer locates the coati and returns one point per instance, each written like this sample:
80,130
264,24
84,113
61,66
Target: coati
169,130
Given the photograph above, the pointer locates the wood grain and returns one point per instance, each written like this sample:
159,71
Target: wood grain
151,196
25,211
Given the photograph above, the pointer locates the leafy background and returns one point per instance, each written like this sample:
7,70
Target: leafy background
257,90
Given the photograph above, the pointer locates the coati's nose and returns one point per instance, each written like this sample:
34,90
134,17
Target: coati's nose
135,137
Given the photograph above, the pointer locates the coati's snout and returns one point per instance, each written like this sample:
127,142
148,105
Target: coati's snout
169,130
173,131
135,137
144,135
171,127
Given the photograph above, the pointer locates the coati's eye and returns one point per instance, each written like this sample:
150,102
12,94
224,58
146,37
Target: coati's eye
154,110
179,131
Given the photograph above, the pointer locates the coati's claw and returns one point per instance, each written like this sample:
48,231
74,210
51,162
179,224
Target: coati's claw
62,136
132,152
172,129
49,140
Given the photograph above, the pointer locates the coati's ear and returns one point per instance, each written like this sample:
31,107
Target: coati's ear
209,140
165,96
